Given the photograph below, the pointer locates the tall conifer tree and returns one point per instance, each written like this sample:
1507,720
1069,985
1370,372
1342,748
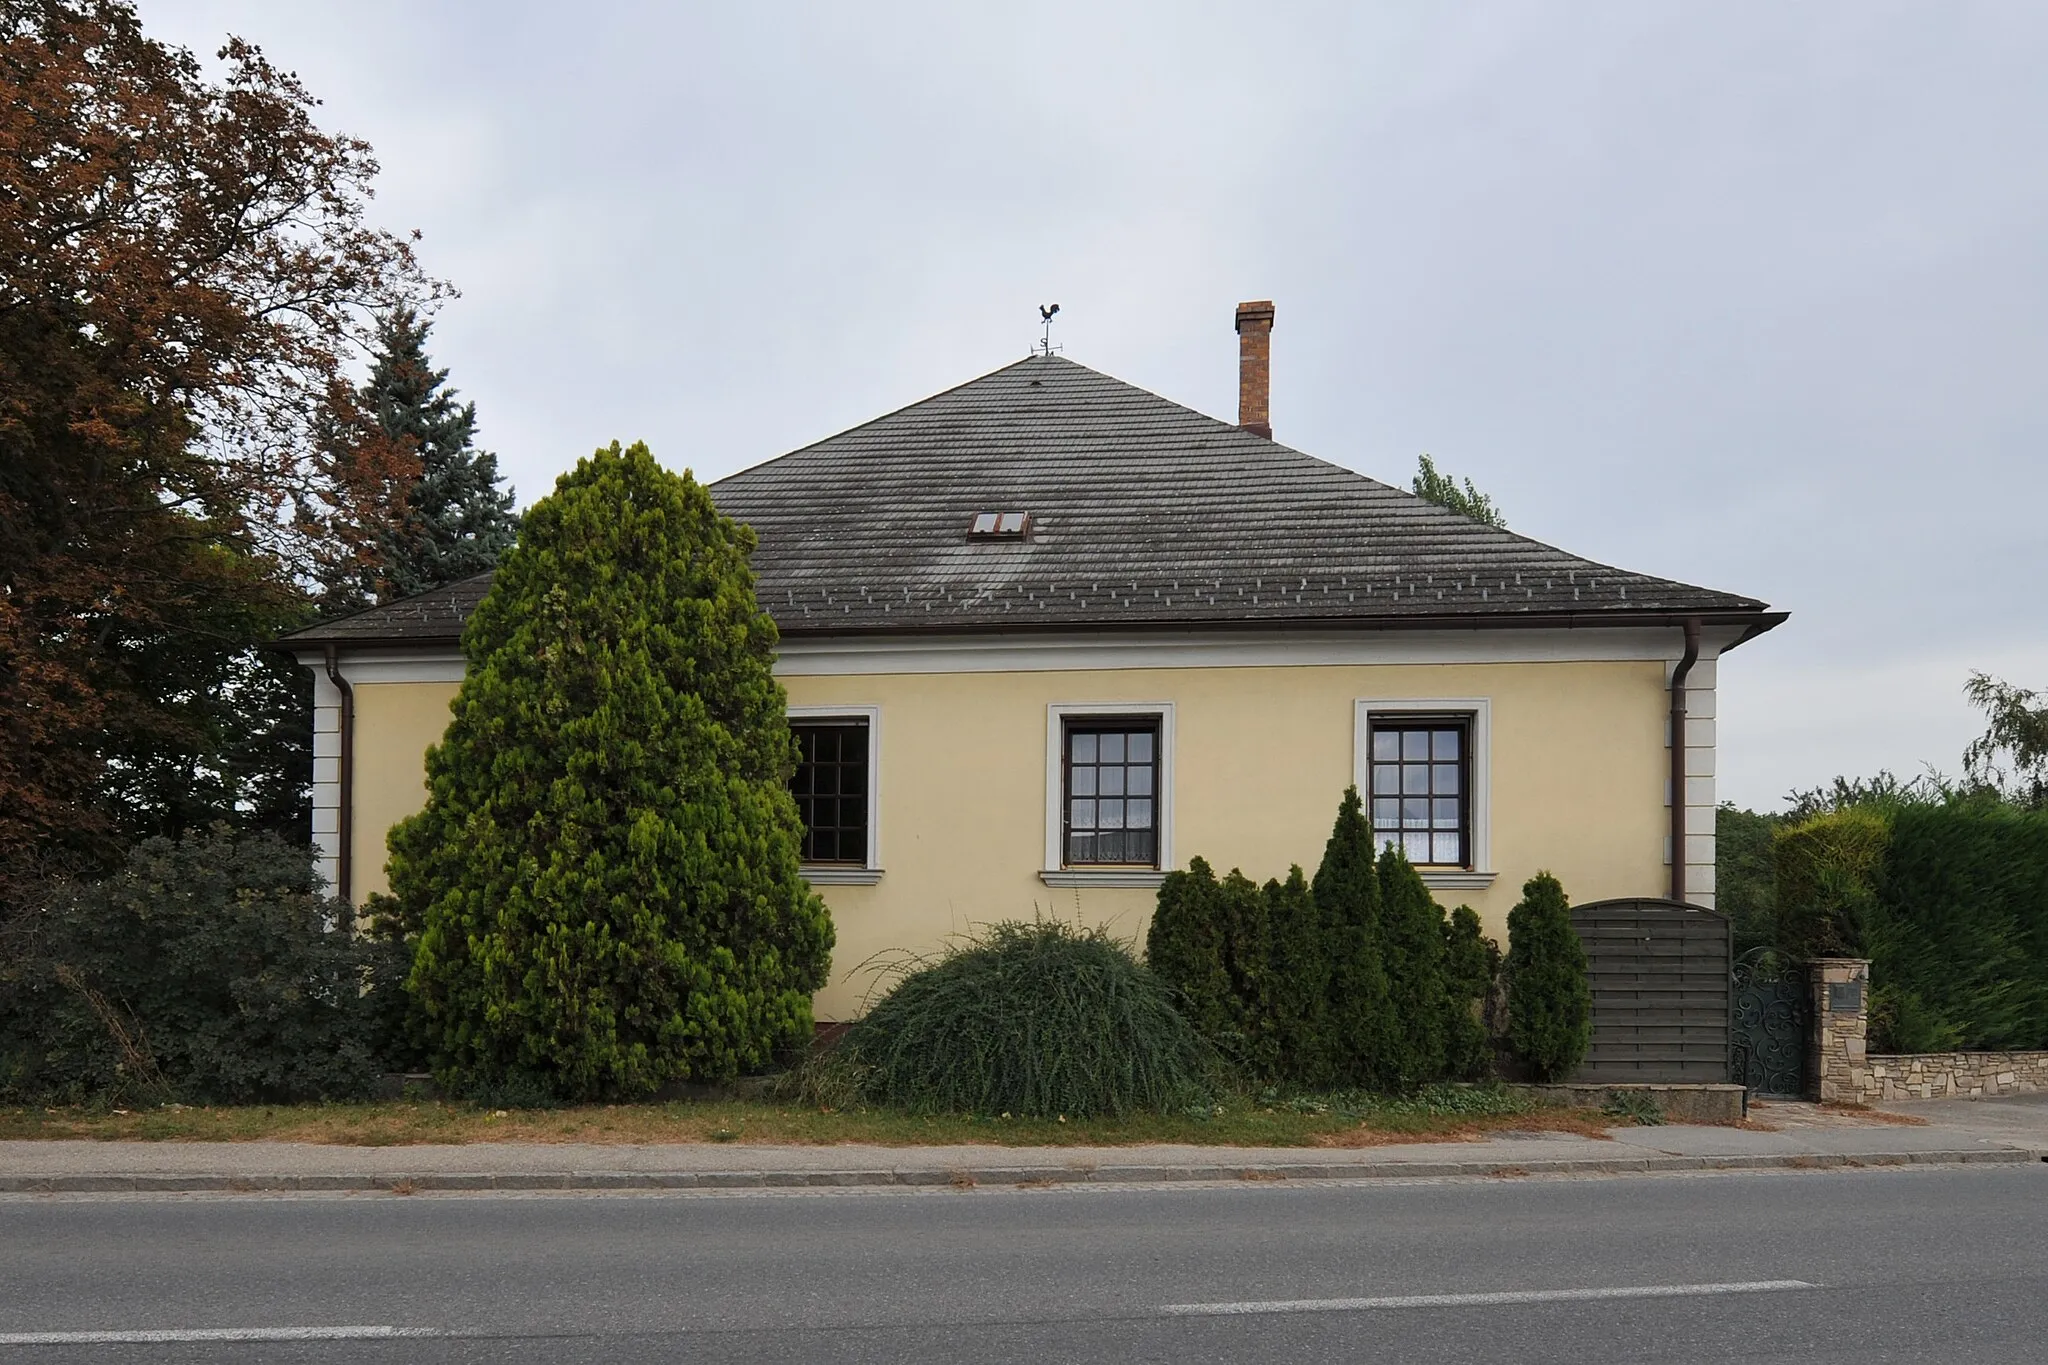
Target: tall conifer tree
606,868
1412,928
1300,982
1347,897
1550,1002
453,520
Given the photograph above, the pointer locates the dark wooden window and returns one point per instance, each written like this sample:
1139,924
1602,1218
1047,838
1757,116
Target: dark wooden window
1422,787
1111,777
831,790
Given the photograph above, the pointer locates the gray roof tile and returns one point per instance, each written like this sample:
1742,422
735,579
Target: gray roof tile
1144,513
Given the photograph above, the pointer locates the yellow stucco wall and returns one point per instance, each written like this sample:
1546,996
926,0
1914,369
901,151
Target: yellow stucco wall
1262,756
395,725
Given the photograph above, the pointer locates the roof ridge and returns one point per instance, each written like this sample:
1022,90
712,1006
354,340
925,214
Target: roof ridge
893,412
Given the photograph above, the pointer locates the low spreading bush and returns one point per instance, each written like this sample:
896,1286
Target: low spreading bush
1032,1020
205,970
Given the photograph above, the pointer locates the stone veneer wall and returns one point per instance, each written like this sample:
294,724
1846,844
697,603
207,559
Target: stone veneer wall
1837,1069
1954,1075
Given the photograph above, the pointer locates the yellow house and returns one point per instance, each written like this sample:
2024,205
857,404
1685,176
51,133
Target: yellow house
1047,636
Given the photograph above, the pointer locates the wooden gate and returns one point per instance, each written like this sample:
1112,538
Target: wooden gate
1659,973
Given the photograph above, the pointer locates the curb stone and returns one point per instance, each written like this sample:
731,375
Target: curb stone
998,1176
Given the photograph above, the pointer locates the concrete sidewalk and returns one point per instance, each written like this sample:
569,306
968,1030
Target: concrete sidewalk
1801,1137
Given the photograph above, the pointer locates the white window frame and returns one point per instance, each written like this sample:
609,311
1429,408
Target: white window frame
870,872
1055,871
1480,741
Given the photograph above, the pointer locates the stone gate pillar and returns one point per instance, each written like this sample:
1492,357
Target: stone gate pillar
1837,1064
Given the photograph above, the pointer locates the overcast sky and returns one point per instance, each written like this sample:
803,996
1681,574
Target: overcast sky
1748,295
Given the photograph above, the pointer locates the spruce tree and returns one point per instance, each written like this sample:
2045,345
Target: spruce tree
1184,947
606,868
453,521
1300,977
1412,929
1347,897
1550,1003
1471,961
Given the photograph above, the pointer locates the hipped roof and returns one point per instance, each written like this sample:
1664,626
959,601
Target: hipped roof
1144,514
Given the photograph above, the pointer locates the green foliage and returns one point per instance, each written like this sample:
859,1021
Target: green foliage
605,872
1900,1021
1184,947
450,522
1745,878
1298,996
1471,963
209,969
2011,756
1211,942
1827,871
1639,1107
1550,1004
1412,938
1347,896
1443,490
1035,1020
1958,940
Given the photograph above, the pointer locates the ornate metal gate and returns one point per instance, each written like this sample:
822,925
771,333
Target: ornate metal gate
1771,1020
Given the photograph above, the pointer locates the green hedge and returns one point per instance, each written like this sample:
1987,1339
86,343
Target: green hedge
1359,981
1948,901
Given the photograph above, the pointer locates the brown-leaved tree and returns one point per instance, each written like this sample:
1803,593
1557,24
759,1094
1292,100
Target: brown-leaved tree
186,271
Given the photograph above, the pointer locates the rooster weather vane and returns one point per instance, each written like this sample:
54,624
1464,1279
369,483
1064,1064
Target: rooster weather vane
1045,312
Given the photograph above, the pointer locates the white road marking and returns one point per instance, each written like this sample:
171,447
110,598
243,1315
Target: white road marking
154,1336
1510,1296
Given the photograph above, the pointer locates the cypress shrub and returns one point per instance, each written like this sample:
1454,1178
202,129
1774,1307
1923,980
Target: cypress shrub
1550,1004
1471,962
1827,872
1209,940
1347,897
1412,930
1036,1020
605,872
1298,998
1184,947
1252,1041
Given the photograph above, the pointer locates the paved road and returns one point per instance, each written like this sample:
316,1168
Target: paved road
1911,1265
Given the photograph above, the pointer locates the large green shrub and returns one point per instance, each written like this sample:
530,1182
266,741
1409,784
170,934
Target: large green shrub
605,873
1347,896
1299,990
1471,962
1550,1003
1745,880
1210,940
1828,868
1412,935
1184,947
1958,939
211,969
1033,1020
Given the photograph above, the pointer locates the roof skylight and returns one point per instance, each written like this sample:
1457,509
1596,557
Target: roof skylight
999,526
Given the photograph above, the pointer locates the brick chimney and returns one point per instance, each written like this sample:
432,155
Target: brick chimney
1255,367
